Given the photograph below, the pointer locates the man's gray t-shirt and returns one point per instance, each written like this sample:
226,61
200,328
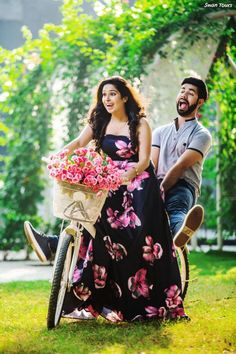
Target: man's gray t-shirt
173,143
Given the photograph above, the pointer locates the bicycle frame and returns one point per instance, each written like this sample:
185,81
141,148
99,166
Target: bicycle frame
74,229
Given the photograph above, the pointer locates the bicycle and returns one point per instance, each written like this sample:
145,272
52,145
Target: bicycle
182,257
80,213
81,207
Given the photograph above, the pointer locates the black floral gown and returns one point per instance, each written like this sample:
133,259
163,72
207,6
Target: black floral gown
130,266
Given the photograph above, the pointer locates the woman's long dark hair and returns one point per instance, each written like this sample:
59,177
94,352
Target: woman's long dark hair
99,117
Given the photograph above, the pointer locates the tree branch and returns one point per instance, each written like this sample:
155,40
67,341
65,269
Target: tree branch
232,64
220,14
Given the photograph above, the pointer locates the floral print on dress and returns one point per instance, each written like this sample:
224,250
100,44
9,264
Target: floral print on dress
151,251
116,288
153,311
82,292
173,298
89,254
125,149
114,316
76,274
116,250
128,218
173,251
82,249
176,312
162,312
124,165
127,200
138,284
114,219
100,276
136,183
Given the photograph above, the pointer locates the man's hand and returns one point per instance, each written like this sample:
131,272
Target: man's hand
162,192
188,159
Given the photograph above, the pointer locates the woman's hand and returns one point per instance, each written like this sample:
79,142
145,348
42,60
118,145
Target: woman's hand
128,175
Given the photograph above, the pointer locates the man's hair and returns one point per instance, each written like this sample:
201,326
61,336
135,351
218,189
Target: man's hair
200,84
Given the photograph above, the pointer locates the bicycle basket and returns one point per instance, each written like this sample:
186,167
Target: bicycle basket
77,202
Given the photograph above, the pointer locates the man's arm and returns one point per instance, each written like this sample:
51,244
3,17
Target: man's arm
188,159
155,156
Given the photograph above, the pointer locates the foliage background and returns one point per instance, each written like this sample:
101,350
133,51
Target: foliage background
52,78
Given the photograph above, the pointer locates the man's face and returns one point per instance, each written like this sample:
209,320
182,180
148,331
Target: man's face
187,100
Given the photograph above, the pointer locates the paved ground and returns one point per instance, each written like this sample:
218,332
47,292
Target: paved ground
24,270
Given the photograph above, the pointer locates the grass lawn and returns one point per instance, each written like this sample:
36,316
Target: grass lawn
210,302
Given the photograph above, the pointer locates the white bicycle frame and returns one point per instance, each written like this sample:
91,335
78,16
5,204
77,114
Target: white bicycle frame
74,229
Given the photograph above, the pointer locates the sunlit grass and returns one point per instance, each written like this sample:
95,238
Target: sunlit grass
211,303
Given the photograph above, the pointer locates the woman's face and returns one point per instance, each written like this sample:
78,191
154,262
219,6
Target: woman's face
112,100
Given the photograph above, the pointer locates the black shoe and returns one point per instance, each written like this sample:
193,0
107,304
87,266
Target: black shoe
38,242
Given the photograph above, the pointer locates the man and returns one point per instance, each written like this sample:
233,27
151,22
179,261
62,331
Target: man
178,152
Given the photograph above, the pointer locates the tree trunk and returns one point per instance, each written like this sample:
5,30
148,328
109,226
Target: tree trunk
218,186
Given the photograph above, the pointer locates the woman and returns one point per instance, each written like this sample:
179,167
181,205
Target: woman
129,271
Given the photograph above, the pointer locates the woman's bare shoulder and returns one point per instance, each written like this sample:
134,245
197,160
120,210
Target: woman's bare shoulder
144,124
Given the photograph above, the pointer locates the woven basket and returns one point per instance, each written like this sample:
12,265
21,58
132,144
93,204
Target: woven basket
77,202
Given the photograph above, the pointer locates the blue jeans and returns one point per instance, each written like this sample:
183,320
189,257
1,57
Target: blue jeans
179,199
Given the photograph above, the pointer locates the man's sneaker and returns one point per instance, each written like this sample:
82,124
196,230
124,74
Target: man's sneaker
39,242
191,224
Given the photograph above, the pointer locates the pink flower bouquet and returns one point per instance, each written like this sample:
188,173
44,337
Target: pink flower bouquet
82,182
86,167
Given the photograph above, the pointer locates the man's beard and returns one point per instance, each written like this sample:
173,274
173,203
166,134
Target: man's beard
190,109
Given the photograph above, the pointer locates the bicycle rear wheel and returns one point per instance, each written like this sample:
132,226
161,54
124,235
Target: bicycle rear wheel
59,281
182,256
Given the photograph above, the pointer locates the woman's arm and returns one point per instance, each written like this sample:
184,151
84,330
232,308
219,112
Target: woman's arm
82,140
144,138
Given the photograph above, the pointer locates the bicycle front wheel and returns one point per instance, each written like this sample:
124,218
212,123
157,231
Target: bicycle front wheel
182,256
59,281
